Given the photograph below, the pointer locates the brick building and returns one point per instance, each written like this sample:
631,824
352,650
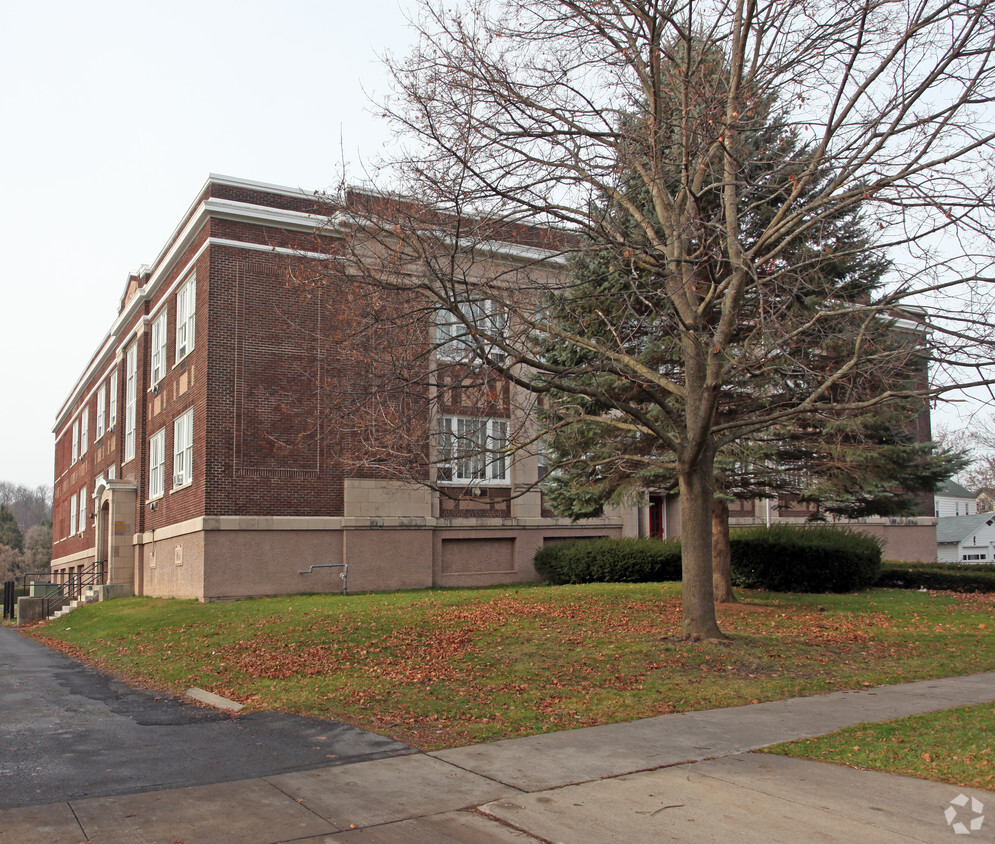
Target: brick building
196,455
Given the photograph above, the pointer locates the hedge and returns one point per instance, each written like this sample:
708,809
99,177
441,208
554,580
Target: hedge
792,558
955,577
783,558
609,561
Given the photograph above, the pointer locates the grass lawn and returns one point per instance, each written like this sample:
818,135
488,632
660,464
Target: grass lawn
953,746
450,667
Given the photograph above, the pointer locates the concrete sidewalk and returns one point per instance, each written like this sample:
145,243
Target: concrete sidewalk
685,777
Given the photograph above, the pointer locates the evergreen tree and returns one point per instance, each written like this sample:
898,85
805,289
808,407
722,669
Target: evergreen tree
10,533
608,433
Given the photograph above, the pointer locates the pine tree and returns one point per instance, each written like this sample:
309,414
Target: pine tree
10,533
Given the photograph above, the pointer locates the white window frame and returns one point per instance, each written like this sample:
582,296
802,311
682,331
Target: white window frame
183,449
75,454
82,511
131,400
186,311
454,341
157,464
157,369
72,514
112,472
472,450
112,403
101,411
84,430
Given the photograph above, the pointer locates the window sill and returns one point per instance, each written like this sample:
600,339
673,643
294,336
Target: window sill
181,487
182,361
477,484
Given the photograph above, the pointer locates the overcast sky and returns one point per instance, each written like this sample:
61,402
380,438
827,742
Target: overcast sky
113,116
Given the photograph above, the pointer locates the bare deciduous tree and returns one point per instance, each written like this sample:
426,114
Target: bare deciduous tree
28,506
613,125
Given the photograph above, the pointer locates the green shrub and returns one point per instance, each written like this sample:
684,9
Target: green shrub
817,558
956,577
609,561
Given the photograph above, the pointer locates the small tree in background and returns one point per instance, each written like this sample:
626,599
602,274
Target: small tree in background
10,533
38,547
11,563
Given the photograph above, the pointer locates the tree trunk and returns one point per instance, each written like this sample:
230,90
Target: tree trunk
721,574
696,488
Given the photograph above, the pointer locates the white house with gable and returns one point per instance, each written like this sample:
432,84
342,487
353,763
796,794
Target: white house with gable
966,539
951,499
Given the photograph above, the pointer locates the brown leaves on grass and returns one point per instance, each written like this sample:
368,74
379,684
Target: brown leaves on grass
437,647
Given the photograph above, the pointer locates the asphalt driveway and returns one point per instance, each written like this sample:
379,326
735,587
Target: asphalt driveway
68,731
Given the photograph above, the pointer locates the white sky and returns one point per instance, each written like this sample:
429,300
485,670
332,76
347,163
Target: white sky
113,115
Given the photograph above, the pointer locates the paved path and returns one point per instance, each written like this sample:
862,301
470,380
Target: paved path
686,777
68,731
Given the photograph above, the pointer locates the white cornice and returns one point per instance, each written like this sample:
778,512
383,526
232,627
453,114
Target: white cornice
197,215
178,243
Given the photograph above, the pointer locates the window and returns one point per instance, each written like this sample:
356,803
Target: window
82,510
84,430
101,411
974,557
111,472
159,348
112,389
542,459
157,464
72,514
129,411
459,336
472,450
75,441
183,449
186,301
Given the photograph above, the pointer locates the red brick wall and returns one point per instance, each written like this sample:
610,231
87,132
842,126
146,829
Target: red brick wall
282,382
266,447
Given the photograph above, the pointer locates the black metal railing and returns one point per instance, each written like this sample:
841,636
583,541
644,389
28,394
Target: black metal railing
60,594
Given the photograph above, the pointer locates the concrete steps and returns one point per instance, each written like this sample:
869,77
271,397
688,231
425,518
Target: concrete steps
88,596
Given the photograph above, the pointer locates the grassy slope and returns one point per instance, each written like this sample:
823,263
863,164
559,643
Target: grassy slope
953,746
445,668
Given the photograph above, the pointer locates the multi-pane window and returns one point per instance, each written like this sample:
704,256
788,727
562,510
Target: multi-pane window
186,303
112,413
75,440
72,514
84,430
159,348
470,330
472,450
82,510
157,464
130,399
183,449
542,459
101,411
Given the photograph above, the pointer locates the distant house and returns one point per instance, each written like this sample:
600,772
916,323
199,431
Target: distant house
951,499
986,499
966,539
